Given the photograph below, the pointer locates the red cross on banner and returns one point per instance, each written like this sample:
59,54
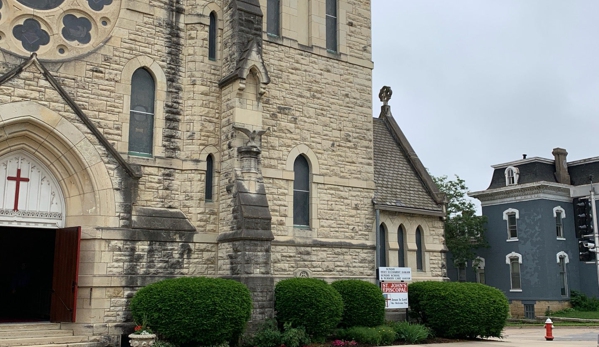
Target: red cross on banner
18,179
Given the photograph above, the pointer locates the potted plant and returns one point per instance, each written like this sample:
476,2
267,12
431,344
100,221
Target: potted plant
142,336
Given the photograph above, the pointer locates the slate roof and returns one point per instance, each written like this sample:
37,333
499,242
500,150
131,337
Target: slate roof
400,178
537,169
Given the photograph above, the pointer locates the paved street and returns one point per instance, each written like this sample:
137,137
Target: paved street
535,337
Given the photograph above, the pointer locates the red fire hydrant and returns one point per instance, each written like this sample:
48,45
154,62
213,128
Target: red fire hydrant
548,330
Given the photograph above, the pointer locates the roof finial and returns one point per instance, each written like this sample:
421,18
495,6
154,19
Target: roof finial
385,95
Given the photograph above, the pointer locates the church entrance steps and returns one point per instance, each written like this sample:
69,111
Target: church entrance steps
41,335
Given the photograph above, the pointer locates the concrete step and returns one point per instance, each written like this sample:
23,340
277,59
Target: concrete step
75,344
29,326
37,341
15,334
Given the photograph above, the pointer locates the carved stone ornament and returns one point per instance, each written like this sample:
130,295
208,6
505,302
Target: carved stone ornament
56,29
385,94
142,340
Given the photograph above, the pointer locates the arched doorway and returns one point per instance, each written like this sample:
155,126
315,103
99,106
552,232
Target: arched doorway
38,257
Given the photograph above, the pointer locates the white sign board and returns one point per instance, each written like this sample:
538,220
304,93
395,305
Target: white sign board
396,294
396,274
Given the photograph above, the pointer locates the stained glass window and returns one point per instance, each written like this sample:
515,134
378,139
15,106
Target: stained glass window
301,192
212,37
141,123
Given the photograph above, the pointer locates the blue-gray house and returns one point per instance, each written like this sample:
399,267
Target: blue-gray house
534,255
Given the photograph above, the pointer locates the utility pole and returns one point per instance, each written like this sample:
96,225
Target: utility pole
595,231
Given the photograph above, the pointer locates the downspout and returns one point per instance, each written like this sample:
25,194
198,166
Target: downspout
377,255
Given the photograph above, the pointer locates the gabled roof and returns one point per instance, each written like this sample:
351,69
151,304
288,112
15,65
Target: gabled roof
402,183
131,170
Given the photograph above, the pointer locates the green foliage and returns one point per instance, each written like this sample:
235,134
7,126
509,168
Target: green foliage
411,333
381,335
162,343
581,302
268,335
363,303
464,231
294,337
459,309
194,310
310,303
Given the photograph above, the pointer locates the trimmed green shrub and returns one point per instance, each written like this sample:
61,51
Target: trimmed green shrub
363,303
194,310
310,303
267,335
381,335
459,309
581,302
411,333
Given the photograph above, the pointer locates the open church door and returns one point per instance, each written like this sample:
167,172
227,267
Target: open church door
66,273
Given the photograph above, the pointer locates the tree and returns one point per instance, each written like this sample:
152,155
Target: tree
464,230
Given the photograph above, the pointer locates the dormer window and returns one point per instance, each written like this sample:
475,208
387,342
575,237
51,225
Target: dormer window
511,176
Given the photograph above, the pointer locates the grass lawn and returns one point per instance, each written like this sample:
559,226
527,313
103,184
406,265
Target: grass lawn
577,314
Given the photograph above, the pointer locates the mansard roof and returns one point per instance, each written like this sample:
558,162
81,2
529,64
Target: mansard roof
402,183
133,171
537,169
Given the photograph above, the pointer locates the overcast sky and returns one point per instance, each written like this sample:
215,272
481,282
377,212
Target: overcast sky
477,83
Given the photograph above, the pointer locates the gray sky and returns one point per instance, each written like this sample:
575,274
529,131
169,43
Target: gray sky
477,83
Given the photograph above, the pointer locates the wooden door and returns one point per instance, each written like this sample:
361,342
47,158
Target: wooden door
66,273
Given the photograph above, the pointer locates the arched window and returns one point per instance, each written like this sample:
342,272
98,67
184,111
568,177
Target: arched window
401,252
212,37
209,177
273,17
331,25
514,260
301,192
141,121
511,175
383,246
419,251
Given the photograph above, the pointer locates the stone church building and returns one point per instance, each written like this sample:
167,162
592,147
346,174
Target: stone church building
143,140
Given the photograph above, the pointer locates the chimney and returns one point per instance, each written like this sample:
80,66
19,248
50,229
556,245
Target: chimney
561,165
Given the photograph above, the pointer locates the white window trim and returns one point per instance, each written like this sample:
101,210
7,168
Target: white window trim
508,261
505,218
562,254
516,175
563,214
479,262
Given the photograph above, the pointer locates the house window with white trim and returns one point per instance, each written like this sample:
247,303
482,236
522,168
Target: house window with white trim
511,175
514,260
511,216
562,260
479,269
559,214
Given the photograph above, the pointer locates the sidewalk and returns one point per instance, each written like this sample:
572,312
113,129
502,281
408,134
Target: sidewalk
535,337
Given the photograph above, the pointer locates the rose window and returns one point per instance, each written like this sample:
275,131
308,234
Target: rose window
56,29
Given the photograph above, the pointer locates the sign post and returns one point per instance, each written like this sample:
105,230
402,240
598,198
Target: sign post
394,287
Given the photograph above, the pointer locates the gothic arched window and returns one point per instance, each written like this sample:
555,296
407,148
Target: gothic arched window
209,177
141,121
301,192
212,37
401,252
419,251
383,246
